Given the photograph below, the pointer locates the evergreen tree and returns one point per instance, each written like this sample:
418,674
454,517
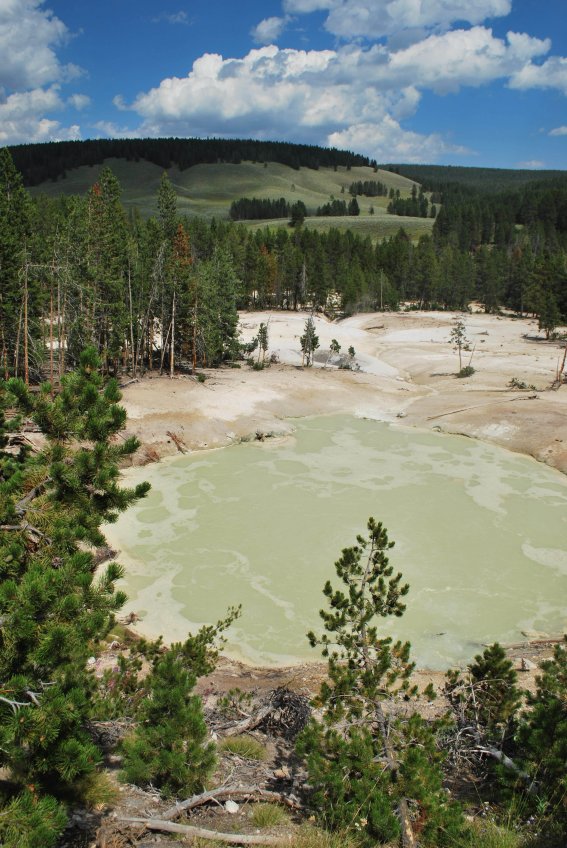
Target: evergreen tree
549,316
298,213
108,266
53,610
15,230
309,341
372,768
459,339
485,697
542,741
170,749
263,341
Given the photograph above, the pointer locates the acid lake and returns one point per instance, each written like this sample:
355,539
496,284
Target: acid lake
479,535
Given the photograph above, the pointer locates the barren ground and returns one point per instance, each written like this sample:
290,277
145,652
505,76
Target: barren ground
407,371
407,374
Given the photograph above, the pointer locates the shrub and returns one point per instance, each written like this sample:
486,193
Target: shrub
243,746
466,371
268,815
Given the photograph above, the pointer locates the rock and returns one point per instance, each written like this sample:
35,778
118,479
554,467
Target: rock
231,807
282,773
527,665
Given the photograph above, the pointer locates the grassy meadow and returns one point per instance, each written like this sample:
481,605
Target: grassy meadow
208,191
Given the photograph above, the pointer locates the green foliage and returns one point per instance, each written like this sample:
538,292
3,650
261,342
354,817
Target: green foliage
31,822
542,739
169,747
486,695
309,341
169,750
233,704
466,371
364,761
298,214
459,341
549,316
263,342
53,609
268,815
243,746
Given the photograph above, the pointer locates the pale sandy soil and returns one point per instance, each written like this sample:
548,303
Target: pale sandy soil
407,374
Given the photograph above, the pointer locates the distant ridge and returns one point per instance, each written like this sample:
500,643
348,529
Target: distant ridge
486,180
48,161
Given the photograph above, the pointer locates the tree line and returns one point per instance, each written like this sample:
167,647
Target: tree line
369,188
48,161
163,293
417,205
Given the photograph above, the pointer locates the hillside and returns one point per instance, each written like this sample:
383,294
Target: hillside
483,180
207,190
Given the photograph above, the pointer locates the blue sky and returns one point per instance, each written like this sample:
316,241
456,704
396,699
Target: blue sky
462,82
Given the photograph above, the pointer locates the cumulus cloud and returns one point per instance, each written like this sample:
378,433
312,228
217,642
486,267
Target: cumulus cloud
551,74
269,30
558,131
31,72
352,95
460,57
79,101
28,36
379,18
315,96
387,141
22,117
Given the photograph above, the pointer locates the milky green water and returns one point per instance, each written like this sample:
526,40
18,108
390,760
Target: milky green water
480,536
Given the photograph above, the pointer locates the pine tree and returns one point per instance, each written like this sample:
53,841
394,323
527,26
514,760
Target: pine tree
53,610
486,696
309,341
15,230
542,741
170,749
372,767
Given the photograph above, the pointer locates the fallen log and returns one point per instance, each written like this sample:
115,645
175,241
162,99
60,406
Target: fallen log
213,835
246,793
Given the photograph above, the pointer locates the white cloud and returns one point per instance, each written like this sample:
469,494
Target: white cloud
386,141
315,96
22,117
109,128
79,101
269,30
172,18
31,72
307,6
28,34
460,57
558,131
532,164
351,96
380,18
551,74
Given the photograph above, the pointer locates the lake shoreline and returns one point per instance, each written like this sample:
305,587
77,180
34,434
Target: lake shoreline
406,376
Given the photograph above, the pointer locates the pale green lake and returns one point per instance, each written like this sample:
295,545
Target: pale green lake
480,537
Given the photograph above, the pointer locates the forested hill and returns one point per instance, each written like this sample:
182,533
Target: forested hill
440,178
40,162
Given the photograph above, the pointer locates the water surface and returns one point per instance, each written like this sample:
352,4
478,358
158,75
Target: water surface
480,537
